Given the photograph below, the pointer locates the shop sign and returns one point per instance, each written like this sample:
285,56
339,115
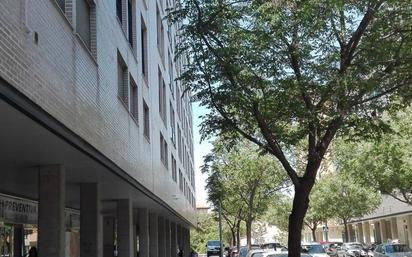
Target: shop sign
16,210
21,211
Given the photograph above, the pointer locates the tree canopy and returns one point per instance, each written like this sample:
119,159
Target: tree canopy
384,164
341,196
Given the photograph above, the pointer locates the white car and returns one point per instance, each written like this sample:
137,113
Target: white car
255,253
314,249
281,254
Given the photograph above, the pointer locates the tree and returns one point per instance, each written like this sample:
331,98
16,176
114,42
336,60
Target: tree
244,181
384,164
207,229
318,210
314,217
278,72
342,197
278,213
218,191
272,74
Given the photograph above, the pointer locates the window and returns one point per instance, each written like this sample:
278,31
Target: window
146,120
130,19
61,4
163,151
83,21
171,77
162,97
122,80
180,180
174,172
160,34
119,10
172,124
134,100
179,141
144,48
178,102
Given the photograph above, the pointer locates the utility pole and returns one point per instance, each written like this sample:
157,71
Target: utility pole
220,229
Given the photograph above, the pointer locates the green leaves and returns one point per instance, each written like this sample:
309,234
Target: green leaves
245,181
385,163
347,57
339,195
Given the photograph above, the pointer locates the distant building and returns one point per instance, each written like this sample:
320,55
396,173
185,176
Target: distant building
392,220
202,209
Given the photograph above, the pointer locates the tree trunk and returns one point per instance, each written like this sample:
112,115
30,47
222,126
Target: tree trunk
249,233
296,217
345,225
233,233
313,234
238,234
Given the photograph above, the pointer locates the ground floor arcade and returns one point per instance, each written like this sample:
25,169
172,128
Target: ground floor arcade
58,194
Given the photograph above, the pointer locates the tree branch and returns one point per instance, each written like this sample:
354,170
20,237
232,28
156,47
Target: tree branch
274,145
388,91
350,47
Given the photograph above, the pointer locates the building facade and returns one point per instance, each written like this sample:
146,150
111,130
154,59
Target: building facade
391,221
95,132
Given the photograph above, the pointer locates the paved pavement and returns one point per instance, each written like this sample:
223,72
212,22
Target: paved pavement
202,255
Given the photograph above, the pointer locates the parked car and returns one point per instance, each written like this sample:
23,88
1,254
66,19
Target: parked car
392,250
277,247
234,252
243,251
213,248
255,253
353,249
281,254
314,249
331,248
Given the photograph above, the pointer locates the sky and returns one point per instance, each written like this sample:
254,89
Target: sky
200,149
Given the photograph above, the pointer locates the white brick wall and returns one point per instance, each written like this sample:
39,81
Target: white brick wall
62,76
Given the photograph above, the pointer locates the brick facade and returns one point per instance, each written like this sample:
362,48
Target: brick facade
42,56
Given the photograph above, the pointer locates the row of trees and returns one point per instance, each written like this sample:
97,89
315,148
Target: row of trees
244,183
250,185
338,196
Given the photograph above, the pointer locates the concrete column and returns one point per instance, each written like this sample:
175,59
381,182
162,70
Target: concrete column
179,238
350,232
402,231
389,229
184,242
162,237
153,235
377,235
168,241
90,222
51,220
135,235
125,244
18,238
367,232
394,228
143,233
108,236
409,229
187,241
384,235
360,233
173,239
